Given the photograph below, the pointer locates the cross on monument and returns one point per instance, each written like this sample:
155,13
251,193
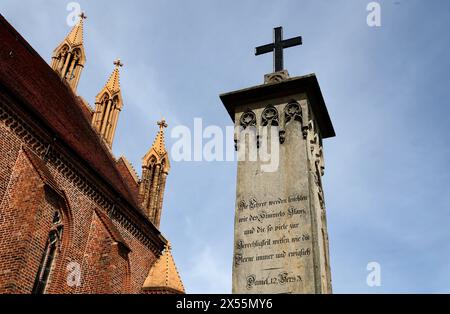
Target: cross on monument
277,47
117,63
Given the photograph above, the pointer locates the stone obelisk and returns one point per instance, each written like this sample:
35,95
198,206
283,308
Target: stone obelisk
280,237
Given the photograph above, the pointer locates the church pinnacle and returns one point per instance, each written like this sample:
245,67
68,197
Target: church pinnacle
155,168
108,105
69,57
75,36
113,83
164,276
159,144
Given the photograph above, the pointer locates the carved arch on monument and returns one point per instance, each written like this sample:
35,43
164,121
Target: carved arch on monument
248,119
270,116
293,112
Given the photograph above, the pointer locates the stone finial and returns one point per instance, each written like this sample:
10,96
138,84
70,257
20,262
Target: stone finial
276,77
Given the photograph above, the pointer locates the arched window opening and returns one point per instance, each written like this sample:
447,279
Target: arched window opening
52,247
73,64
102,109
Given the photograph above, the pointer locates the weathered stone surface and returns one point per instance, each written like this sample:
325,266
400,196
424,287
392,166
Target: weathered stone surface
280,238
276,77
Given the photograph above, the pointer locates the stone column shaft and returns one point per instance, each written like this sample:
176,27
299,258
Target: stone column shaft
66,64
158,208
106,117
148,188
69,73
112,130
154,191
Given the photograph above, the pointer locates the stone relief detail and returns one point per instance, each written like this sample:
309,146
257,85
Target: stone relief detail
270,116
317,164
318,182
248,118
282,136
276,77
316,148
293,111
321,165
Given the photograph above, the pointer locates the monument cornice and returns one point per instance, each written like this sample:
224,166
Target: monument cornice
307,84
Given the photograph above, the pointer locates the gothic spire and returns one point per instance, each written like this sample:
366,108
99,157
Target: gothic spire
158,149
108,105
113,83
69,57
75,37
155,168
159,144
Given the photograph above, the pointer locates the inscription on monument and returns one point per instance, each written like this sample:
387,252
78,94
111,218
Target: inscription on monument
275,238
274,243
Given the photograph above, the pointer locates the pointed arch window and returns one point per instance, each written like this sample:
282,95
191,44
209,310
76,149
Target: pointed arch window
52,247
60,59
102,110
76,55
115,102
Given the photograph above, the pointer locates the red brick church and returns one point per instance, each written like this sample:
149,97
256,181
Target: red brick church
73,217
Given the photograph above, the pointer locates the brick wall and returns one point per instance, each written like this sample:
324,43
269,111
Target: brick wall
27,204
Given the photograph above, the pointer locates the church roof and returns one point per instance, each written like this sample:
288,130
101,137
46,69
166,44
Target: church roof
40,92
87,111
164,274
132,172
129,175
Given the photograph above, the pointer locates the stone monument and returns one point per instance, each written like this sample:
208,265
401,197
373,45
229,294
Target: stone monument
280,237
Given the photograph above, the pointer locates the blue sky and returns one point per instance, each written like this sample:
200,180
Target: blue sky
387,176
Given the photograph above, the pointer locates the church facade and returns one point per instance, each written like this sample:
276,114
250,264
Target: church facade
73,217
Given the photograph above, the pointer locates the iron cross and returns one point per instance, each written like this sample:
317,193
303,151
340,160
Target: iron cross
277,47
118,63
82,16
162,124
